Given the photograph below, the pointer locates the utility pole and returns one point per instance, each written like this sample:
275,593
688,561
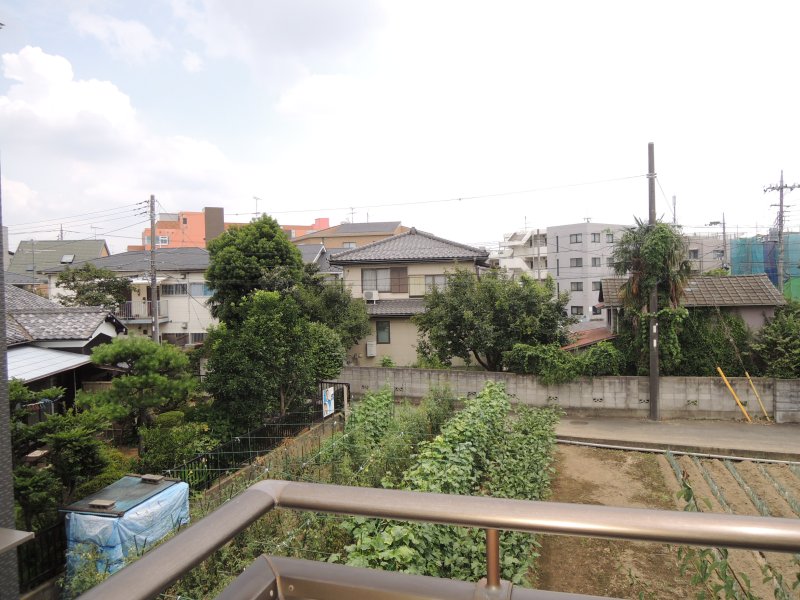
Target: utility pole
655,413
674,213
782,186
153,281
9,578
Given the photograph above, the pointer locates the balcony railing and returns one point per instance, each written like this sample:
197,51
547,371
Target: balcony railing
139,309
273,577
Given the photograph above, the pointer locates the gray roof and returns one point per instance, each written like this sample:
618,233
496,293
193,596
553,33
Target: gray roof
411,246
310,252
30,363
17,279
30,317
138,261
47,254
734,290
396,308
345,229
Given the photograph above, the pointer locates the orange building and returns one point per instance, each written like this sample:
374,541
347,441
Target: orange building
194,229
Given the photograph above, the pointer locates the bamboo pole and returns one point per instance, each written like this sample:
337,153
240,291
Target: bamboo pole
755,391
735,397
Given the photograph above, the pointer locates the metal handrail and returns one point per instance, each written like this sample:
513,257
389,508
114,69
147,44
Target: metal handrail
165,564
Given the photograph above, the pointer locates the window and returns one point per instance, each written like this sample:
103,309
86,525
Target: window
67,259
186,222
348,245
595,261
694,254
596,310
173,289
595,286
719,254
610,262
163,240
199,289
435,281
596,238
575,262
198,338
383,332
576,286
375,280
576,310
575,238
610,238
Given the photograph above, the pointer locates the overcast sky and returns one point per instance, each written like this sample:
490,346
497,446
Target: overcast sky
534,113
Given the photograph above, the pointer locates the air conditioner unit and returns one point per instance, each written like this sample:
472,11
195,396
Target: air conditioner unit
184,326
371,296
372,349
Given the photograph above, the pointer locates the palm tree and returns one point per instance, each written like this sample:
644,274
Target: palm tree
651,255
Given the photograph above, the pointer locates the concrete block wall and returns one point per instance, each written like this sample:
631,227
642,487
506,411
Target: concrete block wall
681,397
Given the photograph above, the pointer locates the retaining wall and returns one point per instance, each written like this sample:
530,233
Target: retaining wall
680,397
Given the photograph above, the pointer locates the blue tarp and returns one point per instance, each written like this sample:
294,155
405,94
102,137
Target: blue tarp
117,537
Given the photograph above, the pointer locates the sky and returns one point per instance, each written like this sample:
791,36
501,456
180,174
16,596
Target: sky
469,120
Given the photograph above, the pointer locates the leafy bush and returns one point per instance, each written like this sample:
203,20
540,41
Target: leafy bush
171,418
117,466
553,365
387,362
166,448
778,343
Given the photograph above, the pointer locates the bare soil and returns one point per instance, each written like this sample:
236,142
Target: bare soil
644,480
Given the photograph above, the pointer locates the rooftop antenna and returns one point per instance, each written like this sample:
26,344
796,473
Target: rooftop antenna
587,219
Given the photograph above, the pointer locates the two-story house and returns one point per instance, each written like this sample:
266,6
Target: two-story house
392,276
183,311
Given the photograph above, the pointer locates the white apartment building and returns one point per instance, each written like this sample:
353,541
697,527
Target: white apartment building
523,252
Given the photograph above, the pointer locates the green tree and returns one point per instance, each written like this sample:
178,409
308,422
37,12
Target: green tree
153,378
92,286
651,255
777,345
271,361
483,317
255,256
76,455
38,493
329,301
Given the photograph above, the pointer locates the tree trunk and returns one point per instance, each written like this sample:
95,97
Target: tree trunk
480,361
283,401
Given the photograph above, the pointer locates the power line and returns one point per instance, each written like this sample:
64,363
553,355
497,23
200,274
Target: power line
78,216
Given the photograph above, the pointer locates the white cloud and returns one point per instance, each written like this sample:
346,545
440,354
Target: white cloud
192,62
127,39
86,137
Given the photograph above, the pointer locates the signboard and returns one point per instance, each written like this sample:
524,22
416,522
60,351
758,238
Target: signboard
327,402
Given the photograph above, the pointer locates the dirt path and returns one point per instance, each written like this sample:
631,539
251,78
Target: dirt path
642,480
606,567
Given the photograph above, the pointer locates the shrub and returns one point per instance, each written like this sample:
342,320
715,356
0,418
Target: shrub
387,362
172,418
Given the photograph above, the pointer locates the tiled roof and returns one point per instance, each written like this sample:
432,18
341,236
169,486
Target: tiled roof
30,317
587,337
734,290
396,308
17,298
411,246
138,261
47,254
18,279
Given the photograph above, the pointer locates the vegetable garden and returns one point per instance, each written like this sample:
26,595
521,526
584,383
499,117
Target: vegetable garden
482,449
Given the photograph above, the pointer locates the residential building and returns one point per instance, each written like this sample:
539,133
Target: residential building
392,275
298,231
523,252
752,297
185,229
34,257
352,235
49,344
318,255
579,256
707,252
183,311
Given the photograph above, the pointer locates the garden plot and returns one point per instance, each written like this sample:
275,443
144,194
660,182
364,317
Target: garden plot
644,480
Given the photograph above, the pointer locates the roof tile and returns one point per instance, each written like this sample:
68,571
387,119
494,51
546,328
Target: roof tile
413,245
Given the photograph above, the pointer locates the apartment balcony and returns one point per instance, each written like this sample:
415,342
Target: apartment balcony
278,577
139,312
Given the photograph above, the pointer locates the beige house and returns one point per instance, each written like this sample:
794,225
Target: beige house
392,276
752,297
183,311
351,235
